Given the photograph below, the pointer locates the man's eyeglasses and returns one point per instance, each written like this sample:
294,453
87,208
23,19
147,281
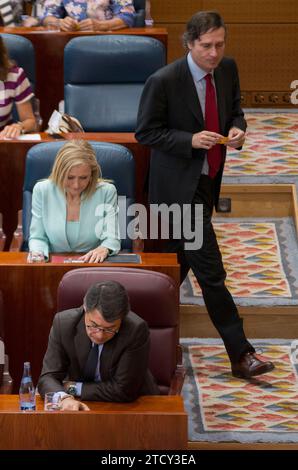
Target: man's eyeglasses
106,331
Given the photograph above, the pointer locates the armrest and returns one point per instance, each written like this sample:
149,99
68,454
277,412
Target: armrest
17,238
36,111
2,235
177,381
179,376
138,243
7,382
5,378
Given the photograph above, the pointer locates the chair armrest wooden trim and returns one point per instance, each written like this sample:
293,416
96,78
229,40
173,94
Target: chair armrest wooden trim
2,235
138,245
17,238
6,382
17,241
177,380
179,376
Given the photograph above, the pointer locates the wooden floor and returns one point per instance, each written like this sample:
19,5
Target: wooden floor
261,200
259,322
254,200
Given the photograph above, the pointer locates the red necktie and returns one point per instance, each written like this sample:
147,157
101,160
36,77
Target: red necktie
214,156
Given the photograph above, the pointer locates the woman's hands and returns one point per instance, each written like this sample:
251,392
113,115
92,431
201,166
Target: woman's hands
27,122
98,255
68,24
13,131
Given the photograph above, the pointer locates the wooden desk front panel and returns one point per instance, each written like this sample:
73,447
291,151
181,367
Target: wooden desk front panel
151,422
49,54
12,171
29,298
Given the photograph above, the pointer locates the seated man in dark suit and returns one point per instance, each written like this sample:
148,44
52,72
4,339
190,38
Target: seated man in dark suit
98,352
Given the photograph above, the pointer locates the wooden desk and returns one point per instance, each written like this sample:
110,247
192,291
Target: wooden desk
12,171
151,422
29,302
49,53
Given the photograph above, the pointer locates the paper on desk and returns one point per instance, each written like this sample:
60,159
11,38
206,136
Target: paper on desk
65,258
120,258
29,137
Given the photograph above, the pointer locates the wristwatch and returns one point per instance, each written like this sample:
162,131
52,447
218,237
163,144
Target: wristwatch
71,389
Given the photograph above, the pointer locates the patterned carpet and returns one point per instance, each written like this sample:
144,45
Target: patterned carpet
270,153
261,260
223,408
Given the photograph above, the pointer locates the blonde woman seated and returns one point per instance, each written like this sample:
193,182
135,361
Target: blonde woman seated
75,210
15,89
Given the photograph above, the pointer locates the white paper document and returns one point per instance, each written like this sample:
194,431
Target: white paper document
29,137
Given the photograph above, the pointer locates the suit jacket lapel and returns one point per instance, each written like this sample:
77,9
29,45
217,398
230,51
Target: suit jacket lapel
220,93
82,344
190,92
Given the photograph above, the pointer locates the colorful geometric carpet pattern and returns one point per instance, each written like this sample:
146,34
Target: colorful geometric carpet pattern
252,260
221,407
271,147
260,258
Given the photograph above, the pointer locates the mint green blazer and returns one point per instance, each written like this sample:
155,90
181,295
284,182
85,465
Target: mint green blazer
98,223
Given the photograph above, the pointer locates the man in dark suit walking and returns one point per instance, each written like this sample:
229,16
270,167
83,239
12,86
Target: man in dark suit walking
98,352
189,111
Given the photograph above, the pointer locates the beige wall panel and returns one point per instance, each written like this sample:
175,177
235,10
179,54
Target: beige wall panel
175,32
266,54
233,11
255,11
174,11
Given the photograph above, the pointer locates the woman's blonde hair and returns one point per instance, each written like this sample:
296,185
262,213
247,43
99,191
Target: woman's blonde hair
73,153
5,62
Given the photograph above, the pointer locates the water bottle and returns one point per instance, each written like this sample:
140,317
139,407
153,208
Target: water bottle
27,390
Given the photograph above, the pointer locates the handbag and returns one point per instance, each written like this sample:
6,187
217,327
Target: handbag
69,123
63,123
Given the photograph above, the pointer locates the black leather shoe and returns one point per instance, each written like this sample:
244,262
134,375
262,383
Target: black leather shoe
249,366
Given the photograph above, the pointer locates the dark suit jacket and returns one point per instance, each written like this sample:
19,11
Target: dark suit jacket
123,361
169,115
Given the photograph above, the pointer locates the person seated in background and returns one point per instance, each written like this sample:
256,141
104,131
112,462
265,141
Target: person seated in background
11,12
37,14
98,352
75,210
14,89
89,15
